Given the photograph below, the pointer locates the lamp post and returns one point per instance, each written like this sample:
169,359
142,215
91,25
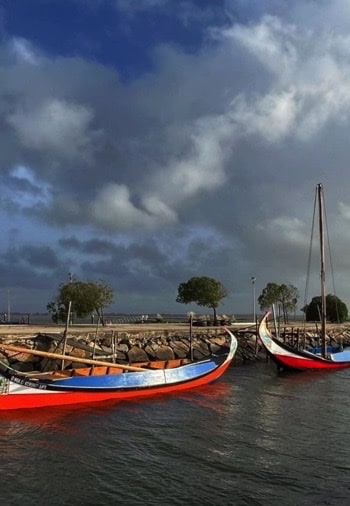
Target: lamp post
253,279
8,305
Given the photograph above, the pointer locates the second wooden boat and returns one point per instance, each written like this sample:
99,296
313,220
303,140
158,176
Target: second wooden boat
291,359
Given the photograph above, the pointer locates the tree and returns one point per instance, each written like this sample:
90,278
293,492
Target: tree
269,296
285,296
85,298
336,309
204,291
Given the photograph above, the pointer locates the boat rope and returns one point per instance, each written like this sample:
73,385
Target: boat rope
306,296
329,251
331,263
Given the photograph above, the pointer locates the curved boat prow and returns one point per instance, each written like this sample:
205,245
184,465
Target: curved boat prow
265,334
233,344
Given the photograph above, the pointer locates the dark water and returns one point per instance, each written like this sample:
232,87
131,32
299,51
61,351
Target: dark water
252,438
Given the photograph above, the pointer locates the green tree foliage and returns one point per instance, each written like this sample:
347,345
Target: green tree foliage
204,291
336,309
284,296
85,297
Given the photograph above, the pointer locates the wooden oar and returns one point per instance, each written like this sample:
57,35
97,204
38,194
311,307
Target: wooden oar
58,356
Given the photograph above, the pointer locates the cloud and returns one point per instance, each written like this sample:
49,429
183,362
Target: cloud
344,210
29,190
234,119
23,51
309,87
270,41
272,117
289,230
55,126
113,209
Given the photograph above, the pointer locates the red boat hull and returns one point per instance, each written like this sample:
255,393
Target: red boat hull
59,398
302,364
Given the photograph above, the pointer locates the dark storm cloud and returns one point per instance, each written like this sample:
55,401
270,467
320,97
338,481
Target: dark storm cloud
205,163
34,257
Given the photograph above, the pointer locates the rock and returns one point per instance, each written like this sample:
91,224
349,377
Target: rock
122,348
151,350
164,353
200,350
181,349
107,341
136,354
14,356
121,357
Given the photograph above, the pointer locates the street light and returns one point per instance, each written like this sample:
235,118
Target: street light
253,279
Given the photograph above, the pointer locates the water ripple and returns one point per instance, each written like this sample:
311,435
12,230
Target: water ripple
251,439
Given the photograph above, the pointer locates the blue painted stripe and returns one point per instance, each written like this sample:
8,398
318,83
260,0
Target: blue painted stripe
137,379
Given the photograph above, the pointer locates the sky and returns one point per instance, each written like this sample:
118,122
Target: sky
144,142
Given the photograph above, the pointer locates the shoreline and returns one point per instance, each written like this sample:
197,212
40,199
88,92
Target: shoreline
140,328
119,327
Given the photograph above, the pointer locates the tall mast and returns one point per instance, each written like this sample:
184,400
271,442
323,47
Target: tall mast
323,271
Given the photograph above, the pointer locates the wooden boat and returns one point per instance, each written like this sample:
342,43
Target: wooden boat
105,381
291,359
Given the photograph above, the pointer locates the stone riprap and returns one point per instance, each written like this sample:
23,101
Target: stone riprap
121,347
